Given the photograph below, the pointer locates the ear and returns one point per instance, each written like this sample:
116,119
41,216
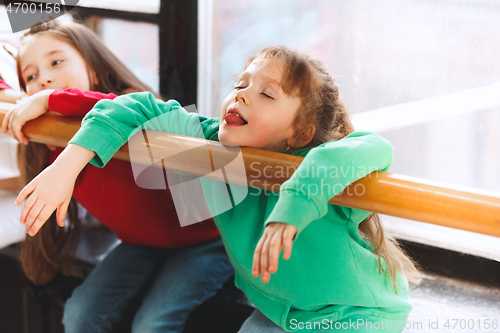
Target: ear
303,136
94,79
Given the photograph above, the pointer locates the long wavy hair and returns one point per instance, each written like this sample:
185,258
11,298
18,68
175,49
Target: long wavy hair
323,107
53,248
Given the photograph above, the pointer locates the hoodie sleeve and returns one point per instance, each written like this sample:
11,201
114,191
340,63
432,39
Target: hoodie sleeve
110,124
325,172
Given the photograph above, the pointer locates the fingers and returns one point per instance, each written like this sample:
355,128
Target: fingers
12,122
5,122
30,213
27,208
274,251
44,215
61,213
276,236
9,123
288,236
264,262
27,190
16,127
256,256
35,213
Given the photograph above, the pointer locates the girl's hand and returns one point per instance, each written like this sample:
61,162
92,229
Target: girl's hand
265,259
50,190
27,109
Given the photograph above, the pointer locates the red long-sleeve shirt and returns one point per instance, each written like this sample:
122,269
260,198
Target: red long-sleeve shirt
137,216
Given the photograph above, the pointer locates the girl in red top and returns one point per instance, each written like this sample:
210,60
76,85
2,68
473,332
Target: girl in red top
66,69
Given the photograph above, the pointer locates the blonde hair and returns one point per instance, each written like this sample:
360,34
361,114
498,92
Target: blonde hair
322,107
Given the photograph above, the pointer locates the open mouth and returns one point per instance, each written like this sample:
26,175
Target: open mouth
233,117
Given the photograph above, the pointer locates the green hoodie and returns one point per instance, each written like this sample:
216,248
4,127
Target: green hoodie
332,272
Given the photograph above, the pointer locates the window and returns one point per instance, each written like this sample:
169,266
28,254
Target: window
137,46
423,74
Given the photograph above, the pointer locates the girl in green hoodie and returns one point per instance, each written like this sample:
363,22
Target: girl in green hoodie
344,274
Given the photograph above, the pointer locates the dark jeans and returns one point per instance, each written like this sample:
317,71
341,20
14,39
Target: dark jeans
177,280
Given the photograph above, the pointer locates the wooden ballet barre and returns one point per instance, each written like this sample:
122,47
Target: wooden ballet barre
382,192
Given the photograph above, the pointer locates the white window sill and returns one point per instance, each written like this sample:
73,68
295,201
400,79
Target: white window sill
443,237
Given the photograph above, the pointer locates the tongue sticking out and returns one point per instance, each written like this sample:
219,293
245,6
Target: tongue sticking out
232,118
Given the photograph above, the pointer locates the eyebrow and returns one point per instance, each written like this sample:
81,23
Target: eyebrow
244,75
48,54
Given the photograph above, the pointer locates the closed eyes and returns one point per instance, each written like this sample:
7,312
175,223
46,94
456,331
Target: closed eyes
262,93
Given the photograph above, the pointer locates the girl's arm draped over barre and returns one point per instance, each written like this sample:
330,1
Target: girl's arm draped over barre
27,109
104,130
325,172
68,102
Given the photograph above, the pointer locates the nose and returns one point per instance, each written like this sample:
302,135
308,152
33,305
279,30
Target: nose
243,96
45,80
